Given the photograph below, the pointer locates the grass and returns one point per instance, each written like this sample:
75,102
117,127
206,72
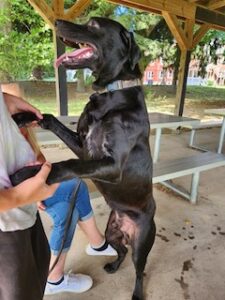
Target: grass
158,98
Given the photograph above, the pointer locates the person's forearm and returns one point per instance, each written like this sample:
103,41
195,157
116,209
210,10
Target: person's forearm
9,199
29,191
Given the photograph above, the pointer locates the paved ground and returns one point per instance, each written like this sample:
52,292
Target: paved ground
187,260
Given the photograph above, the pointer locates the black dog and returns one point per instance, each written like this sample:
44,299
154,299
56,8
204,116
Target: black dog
112,138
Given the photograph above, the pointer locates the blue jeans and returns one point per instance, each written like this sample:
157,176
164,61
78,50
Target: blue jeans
58,206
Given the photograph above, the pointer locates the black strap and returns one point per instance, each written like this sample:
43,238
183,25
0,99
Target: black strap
68,223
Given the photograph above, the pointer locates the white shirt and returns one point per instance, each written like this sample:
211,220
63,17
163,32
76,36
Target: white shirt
15,153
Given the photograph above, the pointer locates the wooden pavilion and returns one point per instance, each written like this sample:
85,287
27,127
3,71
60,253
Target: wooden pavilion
180,16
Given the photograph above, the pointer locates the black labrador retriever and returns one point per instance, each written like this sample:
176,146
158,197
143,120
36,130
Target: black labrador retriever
112,138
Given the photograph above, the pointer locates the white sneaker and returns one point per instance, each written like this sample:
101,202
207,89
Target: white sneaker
109,251
72,283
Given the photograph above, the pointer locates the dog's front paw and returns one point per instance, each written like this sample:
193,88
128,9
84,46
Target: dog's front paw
23,119
23,174
47,121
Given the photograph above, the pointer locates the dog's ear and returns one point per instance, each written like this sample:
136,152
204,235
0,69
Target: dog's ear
133,49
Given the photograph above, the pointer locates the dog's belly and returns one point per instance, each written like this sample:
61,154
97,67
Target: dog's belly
127,226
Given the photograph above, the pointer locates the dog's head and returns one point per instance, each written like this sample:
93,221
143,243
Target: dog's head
102,45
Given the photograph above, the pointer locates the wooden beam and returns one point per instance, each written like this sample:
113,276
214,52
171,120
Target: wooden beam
60,75
58,7
215,4
182,82
76,9
199,34
176,30
211,17
44,10
188,30
180,8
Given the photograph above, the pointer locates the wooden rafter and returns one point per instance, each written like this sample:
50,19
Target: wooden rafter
180,8
199,34
76,9
58,7
216,4
176,29
216,19
44,10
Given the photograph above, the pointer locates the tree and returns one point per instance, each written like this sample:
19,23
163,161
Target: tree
209,50
27,46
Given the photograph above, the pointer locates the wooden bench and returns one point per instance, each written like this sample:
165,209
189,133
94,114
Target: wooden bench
193,165
68,120
164,171
202,125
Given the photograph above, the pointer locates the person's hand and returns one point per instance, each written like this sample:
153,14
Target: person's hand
17,104
35,188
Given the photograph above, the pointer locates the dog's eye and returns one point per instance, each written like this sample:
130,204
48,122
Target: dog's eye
93,23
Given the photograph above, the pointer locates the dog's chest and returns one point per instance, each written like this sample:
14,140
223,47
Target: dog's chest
95,143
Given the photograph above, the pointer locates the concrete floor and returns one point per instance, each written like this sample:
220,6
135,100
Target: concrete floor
188,258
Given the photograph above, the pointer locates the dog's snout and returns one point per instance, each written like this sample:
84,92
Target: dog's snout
57,22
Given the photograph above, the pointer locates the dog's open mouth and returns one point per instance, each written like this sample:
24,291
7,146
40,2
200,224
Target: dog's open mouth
80,56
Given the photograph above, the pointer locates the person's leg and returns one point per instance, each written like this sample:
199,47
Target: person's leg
41,252
98,245
58,207
22,275
58,271
90,229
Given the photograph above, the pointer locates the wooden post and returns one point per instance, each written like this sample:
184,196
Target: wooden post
182,81
60,76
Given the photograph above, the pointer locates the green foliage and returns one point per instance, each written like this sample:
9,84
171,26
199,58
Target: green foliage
27,45
26,48
209,49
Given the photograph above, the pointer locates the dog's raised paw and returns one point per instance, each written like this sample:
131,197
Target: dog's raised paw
23,119
47,121
23,174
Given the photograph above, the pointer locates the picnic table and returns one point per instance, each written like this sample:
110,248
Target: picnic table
158,121
219,112
165,171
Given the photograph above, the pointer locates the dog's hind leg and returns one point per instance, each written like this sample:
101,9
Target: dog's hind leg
141,247
115,238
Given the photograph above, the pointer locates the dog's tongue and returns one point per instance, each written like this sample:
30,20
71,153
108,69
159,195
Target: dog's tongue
78,54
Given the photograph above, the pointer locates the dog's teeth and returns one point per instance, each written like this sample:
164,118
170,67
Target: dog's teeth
82,45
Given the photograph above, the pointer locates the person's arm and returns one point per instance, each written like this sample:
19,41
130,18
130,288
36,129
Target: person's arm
17,104
31,190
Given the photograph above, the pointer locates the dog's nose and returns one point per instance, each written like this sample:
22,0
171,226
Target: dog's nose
56,23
